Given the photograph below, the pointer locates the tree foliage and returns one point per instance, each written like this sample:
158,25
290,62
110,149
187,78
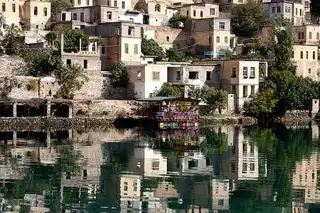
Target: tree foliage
315,8
169,90
177,20
216,99
43,62
70,78
152,48
247,19
59,5
293,92
13,41
283,47
261,103
119,75
175,54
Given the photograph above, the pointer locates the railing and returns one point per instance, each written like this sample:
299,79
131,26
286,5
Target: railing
176,115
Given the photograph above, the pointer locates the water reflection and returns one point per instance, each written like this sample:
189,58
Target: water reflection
219,169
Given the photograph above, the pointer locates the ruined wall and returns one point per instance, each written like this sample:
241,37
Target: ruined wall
12,65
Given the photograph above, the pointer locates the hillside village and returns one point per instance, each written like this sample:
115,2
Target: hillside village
102,49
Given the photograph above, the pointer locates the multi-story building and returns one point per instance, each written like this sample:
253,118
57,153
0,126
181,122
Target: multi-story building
292,11
34,14
199,11
210,37
121,42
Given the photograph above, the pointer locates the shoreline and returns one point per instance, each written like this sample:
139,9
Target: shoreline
59,123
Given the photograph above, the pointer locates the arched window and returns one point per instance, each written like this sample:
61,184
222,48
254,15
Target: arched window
310,35
167,39
157,8
318,36
301,55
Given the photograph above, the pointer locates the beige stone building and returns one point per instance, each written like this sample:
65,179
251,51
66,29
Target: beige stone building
200,11
33,13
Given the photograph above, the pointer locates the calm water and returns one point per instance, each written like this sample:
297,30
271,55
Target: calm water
225,169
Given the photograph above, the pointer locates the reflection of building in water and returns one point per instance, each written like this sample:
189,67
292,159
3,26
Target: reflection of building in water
220,194
130,189
304,179
241,162
193,162
36,203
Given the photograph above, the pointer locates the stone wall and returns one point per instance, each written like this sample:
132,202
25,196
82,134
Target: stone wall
12,65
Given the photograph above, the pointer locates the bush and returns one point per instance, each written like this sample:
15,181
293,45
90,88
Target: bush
216,99
119,75
168,90
177,20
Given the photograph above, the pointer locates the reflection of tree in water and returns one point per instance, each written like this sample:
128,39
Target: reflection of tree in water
282,148
216,141
46,178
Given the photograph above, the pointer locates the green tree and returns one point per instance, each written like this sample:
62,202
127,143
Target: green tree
261,103
152,48
247,19
13,41
60,5
293,92
43,62
168,90
315,8
282,48
216,99
175,54
119,75
215,141
70,78
177,20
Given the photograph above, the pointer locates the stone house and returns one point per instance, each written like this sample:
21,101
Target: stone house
200,10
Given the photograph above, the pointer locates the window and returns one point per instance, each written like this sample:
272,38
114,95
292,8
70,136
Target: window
155,165
318,36
123,5
79,2
273,9
82,17
35,11
251,167
131,31
178,75
220,202
296,11
85,174
135,186
108,3
314,55
139,73
233,167
226,39
194,13
252,145
244,148
126,48
45,11
222,25
68,62
37,26
245,91
244,167
193,75
301,55
208,76
278,9
287,9
125,188
63,17
302,35
13,8
3,7
307,54
309,70
300,12
103,49
157,8
245,72
109,15
201,14
310,35
253,91
233,89
233,72
74,16
210,40
192,163
252,72
167,39
85,64
135,49
115,3
218,39
187,12
88,2
156,75
212,11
